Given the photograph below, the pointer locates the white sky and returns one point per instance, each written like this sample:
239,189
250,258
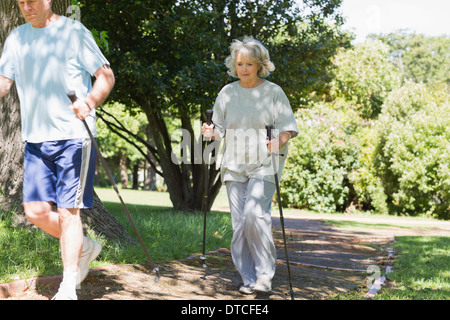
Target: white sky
429,17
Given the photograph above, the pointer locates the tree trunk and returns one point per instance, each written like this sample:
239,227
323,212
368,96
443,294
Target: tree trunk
123,169
185,182
150,176
136,177
102,222
11,145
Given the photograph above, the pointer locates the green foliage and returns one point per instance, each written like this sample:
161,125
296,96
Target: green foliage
320,160
367,185
420,58
303,62
172,52
397,162
169,60
414,150
115,143
112,144
364,76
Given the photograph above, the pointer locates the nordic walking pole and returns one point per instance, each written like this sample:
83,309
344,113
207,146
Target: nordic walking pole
72,96
209,114
269,129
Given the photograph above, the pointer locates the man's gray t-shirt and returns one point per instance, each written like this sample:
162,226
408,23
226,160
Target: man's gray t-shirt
241,116
46,63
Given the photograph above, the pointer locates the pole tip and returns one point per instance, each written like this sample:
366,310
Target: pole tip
156,272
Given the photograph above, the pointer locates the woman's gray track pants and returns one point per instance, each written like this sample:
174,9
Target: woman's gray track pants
252,247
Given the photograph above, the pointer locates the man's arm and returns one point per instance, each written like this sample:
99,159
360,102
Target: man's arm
103,85
5,86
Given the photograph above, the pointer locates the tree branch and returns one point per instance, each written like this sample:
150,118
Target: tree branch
117,130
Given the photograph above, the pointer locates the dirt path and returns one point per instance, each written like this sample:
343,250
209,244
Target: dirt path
322,257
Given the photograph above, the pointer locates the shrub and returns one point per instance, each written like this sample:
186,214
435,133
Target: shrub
320,160
368,187
364,76
413,152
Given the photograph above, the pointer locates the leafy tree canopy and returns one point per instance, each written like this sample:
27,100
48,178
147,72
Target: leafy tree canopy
168,57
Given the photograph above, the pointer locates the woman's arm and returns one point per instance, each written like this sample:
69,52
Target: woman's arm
276,144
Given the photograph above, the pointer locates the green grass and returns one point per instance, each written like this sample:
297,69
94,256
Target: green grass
25,253
421,270
421,266
167,234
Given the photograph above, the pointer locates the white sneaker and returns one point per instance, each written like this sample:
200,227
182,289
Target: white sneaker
263,285
246,290
87,255
64,295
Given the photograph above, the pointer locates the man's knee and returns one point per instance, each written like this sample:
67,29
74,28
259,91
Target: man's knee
68,215
37,210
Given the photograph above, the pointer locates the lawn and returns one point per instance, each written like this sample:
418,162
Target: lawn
167,234
421,269
421,265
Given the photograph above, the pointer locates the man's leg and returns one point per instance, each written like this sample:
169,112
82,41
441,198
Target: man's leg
71,238
74,190
71,244
41,214
65,225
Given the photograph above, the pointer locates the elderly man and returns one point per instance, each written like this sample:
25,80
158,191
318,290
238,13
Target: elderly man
47,57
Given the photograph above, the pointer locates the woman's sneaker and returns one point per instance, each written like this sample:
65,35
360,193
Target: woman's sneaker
263,285
246,290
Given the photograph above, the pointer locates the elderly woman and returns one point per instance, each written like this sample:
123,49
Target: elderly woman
242,111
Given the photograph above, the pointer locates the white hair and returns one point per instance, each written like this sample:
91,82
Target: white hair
254,51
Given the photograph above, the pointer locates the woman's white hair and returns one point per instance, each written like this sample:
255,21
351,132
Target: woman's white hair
253,50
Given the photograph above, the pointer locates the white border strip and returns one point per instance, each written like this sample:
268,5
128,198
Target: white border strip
376,286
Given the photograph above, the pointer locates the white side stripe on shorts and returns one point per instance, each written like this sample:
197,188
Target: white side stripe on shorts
86,156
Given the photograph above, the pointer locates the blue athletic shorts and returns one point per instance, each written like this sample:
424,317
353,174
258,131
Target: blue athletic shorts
61,172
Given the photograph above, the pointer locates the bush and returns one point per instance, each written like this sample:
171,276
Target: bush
413,152
369,190
320,160
364,76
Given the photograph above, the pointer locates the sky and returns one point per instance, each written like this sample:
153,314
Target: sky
430,17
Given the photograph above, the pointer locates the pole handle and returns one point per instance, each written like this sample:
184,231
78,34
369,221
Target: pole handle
269,129
72,96
209,115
